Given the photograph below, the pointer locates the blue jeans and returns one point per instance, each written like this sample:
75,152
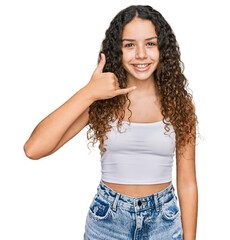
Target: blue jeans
115,216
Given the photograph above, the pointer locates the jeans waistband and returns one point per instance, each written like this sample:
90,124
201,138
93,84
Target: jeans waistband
134,204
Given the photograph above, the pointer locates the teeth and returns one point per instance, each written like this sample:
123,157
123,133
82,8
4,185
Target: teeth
141,66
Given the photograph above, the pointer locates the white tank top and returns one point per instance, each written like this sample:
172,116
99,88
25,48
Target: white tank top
141,154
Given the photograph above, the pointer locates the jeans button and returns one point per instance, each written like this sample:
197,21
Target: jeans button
139,203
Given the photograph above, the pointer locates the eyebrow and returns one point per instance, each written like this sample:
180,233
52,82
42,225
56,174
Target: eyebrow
132,40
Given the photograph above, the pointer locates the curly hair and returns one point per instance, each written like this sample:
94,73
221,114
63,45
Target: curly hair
176,102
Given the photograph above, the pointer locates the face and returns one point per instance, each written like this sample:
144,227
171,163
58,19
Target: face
140,51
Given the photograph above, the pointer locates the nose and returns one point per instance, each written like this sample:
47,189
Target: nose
141,52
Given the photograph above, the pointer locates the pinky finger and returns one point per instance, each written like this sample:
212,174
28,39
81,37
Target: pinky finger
126,90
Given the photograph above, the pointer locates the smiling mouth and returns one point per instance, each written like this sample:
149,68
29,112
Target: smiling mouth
141,67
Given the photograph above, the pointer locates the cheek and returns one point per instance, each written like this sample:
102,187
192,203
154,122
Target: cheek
127,56
155,55
125,62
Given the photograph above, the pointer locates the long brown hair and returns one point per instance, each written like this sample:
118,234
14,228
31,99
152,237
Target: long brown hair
176,102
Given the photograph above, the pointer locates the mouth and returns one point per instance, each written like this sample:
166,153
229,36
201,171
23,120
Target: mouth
141,67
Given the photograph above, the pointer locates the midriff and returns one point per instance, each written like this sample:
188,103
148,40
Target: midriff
137,190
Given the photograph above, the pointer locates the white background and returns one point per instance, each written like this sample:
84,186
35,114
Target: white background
48,51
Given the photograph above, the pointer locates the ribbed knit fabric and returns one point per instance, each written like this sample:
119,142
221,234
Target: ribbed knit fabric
141,154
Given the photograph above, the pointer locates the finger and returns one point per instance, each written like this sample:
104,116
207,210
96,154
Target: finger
101,64
116,82
125,90
116,85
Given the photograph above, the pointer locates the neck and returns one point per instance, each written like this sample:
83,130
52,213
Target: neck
144,88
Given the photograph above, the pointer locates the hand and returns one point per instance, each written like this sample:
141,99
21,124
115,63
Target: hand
104,85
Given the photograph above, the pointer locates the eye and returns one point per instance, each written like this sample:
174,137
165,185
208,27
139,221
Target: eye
128,44
151,43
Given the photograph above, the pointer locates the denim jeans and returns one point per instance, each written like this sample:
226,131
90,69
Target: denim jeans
115,216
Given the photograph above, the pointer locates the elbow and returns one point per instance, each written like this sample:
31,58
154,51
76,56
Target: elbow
29,152
37,149
30,156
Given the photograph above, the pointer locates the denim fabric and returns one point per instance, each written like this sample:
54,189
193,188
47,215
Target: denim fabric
113,215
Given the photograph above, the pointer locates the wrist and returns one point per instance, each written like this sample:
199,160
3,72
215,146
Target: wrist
88,91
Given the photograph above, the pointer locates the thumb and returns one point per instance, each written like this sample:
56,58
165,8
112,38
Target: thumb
101,64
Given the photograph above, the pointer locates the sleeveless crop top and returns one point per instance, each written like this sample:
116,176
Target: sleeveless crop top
140,154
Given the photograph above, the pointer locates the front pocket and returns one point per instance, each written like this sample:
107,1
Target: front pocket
99,208
170,209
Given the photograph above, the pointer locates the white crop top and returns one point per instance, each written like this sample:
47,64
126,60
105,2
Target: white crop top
140,154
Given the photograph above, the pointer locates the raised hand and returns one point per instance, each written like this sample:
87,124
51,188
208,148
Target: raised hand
104,85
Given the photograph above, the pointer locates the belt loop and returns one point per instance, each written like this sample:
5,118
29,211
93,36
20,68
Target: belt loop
156,201
115,202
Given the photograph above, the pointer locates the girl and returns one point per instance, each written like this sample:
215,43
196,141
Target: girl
137,106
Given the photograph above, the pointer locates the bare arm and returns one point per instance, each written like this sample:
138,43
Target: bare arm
48,133
66,121
188,197
188,191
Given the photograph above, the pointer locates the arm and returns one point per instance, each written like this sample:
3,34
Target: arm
187,191
49,132
66,121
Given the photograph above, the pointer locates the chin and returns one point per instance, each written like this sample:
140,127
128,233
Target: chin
141,76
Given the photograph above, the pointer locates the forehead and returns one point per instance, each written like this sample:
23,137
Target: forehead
138,29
